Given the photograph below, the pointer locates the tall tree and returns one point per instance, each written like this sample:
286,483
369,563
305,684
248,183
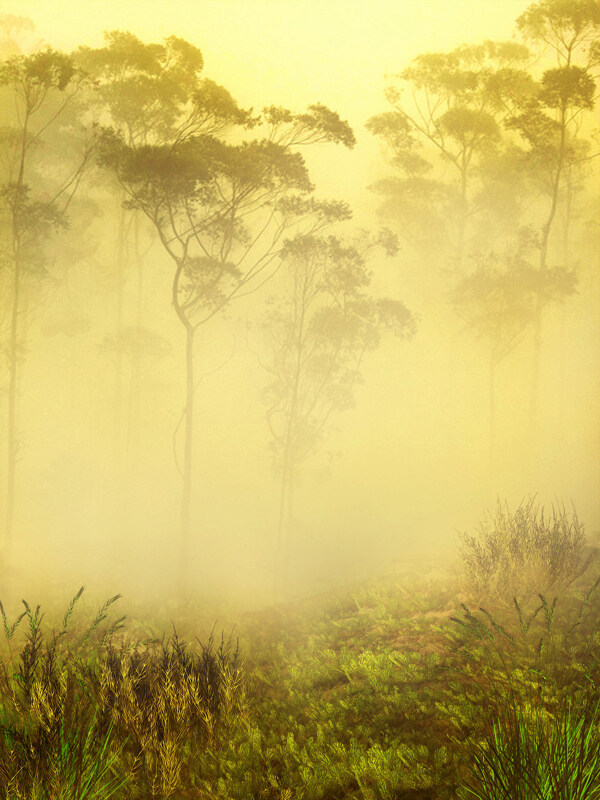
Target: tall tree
322,324
41,89
504,139
144,89
446,140
498,301
550,121
222,210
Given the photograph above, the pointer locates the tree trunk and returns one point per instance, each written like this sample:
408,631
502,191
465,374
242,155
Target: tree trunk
492,421
119,302
462,224
279,567
186,495
12,434
535,378
282,549
543,265
135,380
12,442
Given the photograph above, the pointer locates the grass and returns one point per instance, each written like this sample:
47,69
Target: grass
386,690
525,549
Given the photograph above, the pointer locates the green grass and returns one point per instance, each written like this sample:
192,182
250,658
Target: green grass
388,689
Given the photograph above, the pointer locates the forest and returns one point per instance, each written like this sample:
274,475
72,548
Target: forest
229,394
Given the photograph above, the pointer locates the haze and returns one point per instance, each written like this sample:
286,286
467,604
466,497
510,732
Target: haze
397,474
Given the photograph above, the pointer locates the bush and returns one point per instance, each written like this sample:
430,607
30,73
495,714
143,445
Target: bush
524,550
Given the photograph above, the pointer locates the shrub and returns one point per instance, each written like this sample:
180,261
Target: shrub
525,550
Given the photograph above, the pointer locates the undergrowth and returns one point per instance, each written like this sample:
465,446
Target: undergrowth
388,690
93,719
528,548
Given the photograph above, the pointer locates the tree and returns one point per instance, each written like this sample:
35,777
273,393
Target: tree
550,121
222,210
498,302
145,90
504,138
317,334
41,88
447,140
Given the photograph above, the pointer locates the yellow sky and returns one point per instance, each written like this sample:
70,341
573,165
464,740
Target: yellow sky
292,53
286,51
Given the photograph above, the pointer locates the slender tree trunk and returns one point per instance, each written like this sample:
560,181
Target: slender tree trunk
569,191
289,539
535,375
119,302
136,389
186,495
566,258
12,441
12,432
135,380
282,549
280,564
543,265
492,421
462,224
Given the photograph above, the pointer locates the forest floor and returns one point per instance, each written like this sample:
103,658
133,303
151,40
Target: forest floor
380,690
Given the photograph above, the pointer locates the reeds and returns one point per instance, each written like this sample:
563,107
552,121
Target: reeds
531,756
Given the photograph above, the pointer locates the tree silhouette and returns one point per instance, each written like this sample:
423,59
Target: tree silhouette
476,140
550,121
319,328
222,210
446,141
144,89
40,89
498,301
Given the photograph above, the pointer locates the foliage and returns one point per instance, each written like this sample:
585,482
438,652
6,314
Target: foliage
43,159
203,194
528,758
531,746
39,72
563,25
498,301
154,92
515,549
52,742
444,134
317,335
85,721
376,692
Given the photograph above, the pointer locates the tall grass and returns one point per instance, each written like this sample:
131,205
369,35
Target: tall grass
526,549
541,737
91,719
530,755
355,698
52,741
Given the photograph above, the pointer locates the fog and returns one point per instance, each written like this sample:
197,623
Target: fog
399,471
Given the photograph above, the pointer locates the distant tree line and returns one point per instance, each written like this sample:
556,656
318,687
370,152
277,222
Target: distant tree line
495,153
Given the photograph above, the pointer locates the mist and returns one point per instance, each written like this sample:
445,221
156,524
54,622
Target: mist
415,445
